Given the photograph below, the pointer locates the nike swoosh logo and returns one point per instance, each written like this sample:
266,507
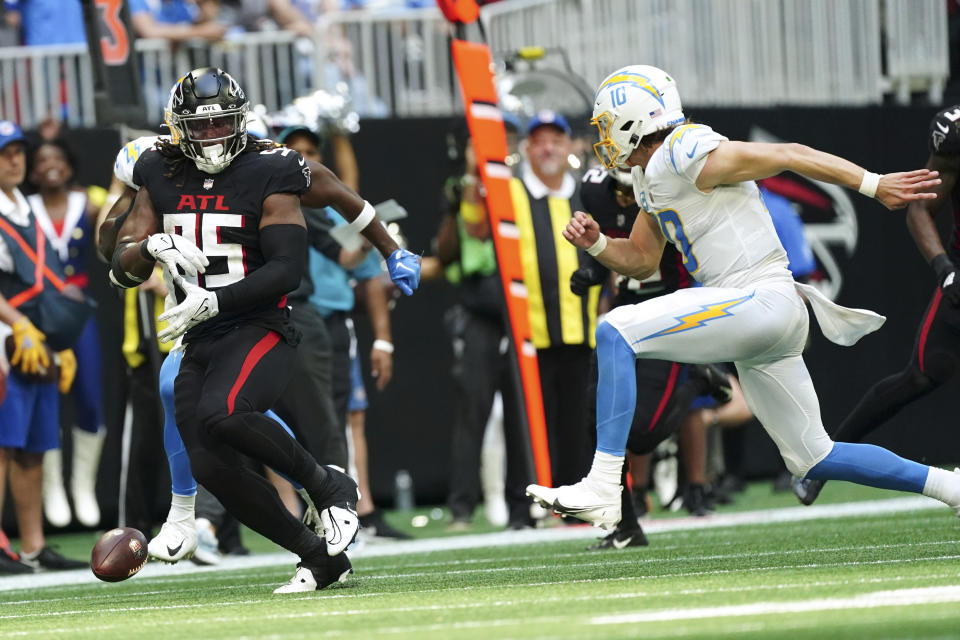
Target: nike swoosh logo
622,544
694,150
176,550
302,162
943,128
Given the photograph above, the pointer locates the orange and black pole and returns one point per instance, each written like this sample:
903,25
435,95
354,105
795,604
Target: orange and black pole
474,65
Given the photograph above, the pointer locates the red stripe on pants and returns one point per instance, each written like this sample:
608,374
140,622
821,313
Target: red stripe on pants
926,324
671,381
259,350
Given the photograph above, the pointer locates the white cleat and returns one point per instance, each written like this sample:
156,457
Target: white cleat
177,540
340,528
581,500
314,578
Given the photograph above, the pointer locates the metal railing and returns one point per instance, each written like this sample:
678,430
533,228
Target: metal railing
723,53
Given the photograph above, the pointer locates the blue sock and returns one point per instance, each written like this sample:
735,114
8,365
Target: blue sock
276,418
870,465
181,478
616,390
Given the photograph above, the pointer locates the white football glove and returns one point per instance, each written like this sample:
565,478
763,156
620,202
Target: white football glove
199,305
175,251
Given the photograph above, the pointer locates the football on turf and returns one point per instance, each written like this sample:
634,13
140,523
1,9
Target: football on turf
44,375
118,554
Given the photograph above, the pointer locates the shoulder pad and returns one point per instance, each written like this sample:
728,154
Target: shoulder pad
128,156
944,137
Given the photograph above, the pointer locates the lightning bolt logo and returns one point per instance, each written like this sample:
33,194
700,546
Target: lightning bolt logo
700,317
636,80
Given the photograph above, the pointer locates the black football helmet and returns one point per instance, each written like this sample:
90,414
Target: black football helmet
207,116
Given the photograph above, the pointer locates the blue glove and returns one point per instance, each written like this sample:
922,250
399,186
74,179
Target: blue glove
404,269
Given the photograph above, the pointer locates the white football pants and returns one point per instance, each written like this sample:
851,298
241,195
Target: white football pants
762,330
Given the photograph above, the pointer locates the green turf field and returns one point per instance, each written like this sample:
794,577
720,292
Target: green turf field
889,575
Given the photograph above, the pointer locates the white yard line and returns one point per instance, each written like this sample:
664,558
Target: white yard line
498,539
892,598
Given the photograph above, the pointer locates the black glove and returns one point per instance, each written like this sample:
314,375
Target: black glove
585,277
948,278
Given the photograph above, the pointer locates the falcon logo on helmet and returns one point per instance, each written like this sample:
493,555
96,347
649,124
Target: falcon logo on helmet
631,103
207,117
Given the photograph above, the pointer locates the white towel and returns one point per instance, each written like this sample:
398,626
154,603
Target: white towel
841,325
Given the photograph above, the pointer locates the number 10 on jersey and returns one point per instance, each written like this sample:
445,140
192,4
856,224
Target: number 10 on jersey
672,227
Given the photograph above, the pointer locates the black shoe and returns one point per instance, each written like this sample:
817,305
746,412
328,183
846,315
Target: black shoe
716,380
731,484
9,566
697,502
339,490
718,494
807,490
641,502
313,577
375,525
50,560
621,539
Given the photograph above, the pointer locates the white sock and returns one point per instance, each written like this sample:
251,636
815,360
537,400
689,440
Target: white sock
943,485
605,471
181,507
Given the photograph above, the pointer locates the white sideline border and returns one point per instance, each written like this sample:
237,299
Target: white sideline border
496,539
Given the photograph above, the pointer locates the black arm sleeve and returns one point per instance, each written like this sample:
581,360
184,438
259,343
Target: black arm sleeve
284,247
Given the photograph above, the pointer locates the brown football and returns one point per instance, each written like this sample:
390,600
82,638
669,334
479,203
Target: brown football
50,373
118,554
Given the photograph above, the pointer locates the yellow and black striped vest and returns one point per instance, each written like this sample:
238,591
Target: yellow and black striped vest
557,315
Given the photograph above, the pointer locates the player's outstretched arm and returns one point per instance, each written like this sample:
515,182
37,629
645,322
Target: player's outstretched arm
637,256
733,162
326,190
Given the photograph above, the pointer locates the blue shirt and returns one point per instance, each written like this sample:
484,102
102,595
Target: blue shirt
789,228
47,22
166,11
332,290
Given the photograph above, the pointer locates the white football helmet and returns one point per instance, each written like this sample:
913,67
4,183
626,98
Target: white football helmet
632,102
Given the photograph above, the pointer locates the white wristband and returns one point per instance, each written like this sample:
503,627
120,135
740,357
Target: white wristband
365,217
869,184
597,247
383,345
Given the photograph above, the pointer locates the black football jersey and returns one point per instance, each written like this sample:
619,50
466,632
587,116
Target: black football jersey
221,214
944,140
600,201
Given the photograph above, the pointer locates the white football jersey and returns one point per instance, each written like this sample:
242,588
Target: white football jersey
726,236
127,158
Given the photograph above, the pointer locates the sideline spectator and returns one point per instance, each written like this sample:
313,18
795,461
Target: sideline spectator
483,363
562,324
270,15
46,22
177,20
29,420
66,216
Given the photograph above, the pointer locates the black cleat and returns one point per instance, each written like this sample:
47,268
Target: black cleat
807,490
313,577
9,566
50,560
716,380
697,502
374,525
621,539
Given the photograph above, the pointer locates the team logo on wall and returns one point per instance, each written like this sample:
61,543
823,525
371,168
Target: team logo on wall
829,219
